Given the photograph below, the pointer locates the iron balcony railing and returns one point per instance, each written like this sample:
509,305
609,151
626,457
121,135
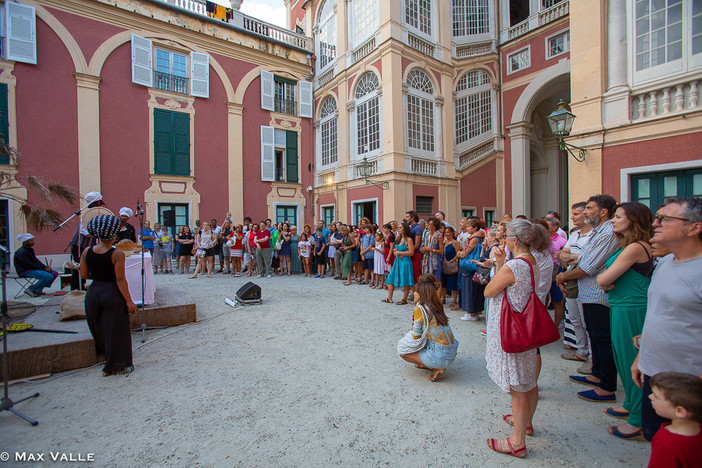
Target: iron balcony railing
285,106
172,83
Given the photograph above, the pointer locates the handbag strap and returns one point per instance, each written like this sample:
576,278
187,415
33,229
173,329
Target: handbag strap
423,308
531,271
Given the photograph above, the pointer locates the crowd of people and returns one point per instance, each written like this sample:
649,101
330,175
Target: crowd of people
623,283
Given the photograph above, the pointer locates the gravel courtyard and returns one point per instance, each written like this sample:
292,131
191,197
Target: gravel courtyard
309,378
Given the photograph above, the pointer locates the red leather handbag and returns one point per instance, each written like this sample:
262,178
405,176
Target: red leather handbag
529,329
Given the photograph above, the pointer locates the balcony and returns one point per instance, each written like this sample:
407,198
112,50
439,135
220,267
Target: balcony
663,101
271,31
425,47
549,10
172,83
286,106
557,10
363,50
471,157
425,167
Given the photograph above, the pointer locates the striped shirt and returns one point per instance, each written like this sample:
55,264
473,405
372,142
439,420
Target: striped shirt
593,257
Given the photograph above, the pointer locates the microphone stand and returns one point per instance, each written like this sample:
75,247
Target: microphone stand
143,327
77,213
6,404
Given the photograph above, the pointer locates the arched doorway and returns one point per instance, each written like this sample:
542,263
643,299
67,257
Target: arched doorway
539,169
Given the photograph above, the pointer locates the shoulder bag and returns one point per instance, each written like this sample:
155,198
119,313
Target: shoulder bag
467,266
450,267
528,329
408,344
571,286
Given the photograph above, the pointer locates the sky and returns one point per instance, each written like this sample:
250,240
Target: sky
271,11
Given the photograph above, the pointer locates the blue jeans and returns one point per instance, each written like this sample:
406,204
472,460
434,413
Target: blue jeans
45,279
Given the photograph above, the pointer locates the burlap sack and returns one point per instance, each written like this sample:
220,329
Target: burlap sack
73,306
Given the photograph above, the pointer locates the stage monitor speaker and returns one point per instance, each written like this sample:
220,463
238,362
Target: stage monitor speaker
249,292
169,218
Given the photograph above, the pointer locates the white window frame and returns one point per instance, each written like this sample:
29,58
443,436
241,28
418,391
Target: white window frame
358,35
482,137
687,64
328,120
361,201
485,210
300,221
566,34
433,24
626,173
474,37
361,101
526,49
326,25
422,97
321,211
463,208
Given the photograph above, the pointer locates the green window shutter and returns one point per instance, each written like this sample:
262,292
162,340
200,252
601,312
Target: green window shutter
171,143
4,122
181,146
291,156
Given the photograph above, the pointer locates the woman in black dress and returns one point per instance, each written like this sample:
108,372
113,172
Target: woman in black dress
108,303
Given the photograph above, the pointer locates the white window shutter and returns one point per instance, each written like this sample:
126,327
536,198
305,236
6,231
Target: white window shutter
267,153
306,99
199,74
141,61
267,91
21,40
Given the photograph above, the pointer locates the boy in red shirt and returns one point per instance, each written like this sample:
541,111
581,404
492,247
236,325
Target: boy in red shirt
678,397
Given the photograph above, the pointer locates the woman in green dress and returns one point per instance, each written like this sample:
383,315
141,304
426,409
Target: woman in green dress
626,280
347,245
296,264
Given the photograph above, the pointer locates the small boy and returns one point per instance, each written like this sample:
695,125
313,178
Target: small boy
166,247
678,397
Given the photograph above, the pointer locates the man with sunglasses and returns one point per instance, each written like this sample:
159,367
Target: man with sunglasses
670,341
602,244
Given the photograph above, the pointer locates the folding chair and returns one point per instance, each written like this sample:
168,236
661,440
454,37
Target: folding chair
24,283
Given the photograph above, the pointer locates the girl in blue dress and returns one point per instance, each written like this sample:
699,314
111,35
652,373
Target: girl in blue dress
400,275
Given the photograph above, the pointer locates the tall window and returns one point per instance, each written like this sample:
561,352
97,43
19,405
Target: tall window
471,17
668,36
418,15
420,111
365,20
285,96
326,35
171,71
171,143
367,114
473,106
329,124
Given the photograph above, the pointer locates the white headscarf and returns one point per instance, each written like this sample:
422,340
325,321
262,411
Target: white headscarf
126,211
24,237
92,197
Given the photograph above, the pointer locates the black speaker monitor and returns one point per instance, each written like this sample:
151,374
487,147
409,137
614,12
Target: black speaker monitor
249,292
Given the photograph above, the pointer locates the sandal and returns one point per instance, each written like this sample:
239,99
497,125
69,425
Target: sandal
436,378
494,444
387,301
636,435
401,302
509,419
616,414
346,283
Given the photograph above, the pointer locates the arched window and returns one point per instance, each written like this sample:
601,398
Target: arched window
367,114
470,17
364,20
418,15
326,35
420,111
328,129
473,106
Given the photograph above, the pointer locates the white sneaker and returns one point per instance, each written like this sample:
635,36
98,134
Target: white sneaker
258,276
473,318
466,317
269,276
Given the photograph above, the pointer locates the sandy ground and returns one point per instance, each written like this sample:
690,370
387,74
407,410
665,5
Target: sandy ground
309,378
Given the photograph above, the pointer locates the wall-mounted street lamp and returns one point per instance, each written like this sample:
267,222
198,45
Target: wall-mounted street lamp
561,123
365,169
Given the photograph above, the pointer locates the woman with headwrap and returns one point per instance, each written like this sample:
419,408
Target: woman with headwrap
108,303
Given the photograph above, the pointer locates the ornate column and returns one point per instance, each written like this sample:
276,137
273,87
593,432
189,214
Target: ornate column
615,103
88,94
235,158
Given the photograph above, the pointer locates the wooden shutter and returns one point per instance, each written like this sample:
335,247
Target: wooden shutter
181,144
291,156
267,91
163,143
267,153
4,122
142,57
21,40
199,74
305,99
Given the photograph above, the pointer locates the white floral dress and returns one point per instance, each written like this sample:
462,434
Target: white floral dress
511,371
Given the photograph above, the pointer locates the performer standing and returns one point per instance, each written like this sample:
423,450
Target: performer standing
108,303
126,230
82,239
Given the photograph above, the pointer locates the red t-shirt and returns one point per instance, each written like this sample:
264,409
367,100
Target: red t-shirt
669,450
260,235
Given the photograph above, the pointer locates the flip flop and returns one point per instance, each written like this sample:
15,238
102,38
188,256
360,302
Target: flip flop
509,419
401,302
387,301
494,444
637,435
616,414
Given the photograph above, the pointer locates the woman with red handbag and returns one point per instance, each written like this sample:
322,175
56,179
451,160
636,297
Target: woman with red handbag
514,372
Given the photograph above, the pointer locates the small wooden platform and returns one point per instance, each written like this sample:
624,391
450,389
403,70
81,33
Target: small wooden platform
34,353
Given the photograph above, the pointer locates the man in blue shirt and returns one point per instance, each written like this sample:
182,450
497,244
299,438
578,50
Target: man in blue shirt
325,231
147,236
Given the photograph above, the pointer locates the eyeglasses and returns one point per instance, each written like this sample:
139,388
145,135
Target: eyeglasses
659,218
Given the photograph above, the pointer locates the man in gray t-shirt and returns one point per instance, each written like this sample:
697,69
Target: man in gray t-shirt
671,335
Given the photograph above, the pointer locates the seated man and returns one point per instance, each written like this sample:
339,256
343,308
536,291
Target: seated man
28,265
